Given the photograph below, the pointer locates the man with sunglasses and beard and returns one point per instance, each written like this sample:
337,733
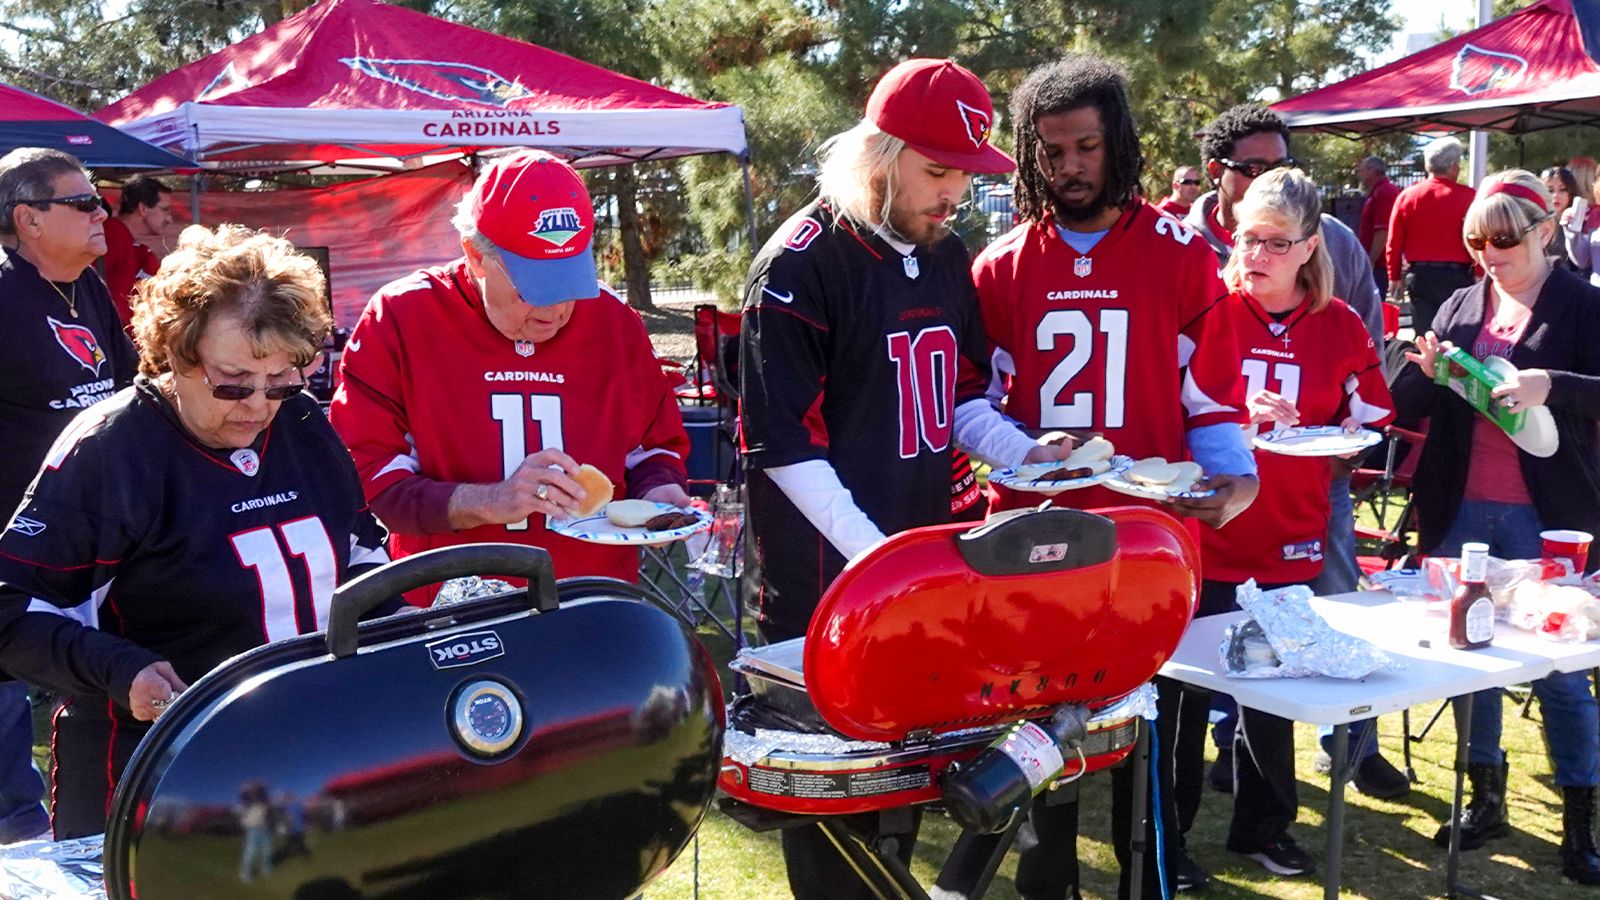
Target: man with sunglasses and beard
862,362
1237,147
1108,316
471,392
62,348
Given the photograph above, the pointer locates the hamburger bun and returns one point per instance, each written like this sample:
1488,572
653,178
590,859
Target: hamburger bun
631,513
1153,470
1093,450
597,490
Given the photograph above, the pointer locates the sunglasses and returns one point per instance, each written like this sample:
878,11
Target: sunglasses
1275,246
1503,240
1255,168
1189,182
84,203
235,392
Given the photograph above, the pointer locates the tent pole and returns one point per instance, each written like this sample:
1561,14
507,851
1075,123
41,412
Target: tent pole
194,198
1480,139
750,204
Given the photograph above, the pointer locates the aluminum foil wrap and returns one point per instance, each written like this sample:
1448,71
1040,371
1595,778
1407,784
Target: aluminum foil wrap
746,749
64,870
1140,703
1286,638
460,590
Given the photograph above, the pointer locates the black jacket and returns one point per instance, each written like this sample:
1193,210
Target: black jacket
1562,336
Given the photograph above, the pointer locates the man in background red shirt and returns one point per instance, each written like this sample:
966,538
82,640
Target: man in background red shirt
1186,187
1424,240
146,206
1373,173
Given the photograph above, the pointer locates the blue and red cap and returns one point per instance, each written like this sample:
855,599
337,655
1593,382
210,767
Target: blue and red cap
535,209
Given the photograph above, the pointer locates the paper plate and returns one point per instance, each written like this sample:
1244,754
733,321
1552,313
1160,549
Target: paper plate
1117,483
1316,440
597,529
1017,478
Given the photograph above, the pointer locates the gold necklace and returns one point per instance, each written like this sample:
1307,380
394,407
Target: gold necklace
72,303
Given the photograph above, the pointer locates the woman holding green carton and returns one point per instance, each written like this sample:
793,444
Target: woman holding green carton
1475,483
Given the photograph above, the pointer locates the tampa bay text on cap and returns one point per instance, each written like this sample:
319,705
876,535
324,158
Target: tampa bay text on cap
535,209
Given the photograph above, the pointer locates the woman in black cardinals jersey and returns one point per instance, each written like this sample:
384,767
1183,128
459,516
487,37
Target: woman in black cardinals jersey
204,511
1307,359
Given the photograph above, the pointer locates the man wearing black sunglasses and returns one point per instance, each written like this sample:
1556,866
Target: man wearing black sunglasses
1186,188
61,349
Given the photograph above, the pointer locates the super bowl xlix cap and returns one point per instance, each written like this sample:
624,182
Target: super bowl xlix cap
535,209
941,111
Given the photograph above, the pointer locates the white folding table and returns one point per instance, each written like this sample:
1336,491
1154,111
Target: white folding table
1431,671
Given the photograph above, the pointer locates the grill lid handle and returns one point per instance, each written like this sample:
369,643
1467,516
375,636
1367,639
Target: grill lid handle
357,597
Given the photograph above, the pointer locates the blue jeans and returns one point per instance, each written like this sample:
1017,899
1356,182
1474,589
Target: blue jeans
22,814
1566,703
1341,574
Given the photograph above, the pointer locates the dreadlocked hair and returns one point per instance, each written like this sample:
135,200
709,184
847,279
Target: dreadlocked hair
1074,82
1217,140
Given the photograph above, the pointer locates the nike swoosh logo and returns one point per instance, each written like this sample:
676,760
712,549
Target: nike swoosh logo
781,298
353,345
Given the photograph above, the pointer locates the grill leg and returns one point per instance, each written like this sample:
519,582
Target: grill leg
878,867
1141,811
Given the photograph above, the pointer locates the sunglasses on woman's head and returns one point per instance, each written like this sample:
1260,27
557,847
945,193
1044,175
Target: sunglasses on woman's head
277,392
1503,240
84,203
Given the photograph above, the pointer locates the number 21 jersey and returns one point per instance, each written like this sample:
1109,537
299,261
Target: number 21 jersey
1133,339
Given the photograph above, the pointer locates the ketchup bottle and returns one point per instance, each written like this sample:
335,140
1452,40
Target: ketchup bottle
1472,611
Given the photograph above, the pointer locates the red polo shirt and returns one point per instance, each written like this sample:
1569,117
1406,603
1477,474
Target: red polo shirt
1173,206
1375,211
1426,224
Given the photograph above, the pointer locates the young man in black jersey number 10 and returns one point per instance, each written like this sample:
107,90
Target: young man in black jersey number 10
863,363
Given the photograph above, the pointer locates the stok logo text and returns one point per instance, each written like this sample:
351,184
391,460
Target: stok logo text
465,649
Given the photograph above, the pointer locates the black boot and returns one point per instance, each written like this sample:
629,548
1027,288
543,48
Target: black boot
1485,815
1580,860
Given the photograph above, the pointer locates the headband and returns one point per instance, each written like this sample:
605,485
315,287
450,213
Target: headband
1517,190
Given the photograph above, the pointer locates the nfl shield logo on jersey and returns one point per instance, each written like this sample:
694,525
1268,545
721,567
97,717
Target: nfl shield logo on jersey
246,461
1081,266
524,348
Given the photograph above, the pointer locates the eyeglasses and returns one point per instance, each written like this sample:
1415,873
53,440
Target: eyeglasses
1255,168
235,392
84,203
1275,246
1503,240
1187,182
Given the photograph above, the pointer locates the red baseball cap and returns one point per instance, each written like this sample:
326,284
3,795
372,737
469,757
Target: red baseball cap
535,209
941,111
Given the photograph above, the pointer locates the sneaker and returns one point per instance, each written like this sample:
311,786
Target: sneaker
1322,763
1281,857
1185,873
1377,777
1220,775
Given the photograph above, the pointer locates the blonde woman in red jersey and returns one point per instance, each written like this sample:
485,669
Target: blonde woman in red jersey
1307,359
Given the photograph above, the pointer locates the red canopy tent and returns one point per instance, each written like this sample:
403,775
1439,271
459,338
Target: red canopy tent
30,120
358,80
1531,70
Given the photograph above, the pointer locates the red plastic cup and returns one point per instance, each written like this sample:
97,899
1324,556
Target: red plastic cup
1568,546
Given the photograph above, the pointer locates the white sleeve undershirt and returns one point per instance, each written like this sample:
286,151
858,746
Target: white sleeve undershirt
982,431
814,488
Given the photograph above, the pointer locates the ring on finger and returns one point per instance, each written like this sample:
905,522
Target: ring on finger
543,493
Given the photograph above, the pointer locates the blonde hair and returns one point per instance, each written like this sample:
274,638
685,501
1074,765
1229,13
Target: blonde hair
276,291
849,165
1503,213
1583,169
1289,197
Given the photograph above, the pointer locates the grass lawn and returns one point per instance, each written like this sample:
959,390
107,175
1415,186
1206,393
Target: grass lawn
1388,851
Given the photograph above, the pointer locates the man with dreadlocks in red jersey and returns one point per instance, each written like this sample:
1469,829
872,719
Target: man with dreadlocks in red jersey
1107,316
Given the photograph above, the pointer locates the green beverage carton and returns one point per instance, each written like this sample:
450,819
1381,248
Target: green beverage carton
1472,380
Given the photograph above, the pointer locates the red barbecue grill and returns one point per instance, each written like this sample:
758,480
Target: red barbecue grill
935,645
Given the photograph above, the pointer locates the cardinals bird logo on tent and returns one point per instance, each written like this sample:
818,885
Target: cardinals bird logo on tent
443,80
1476,70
